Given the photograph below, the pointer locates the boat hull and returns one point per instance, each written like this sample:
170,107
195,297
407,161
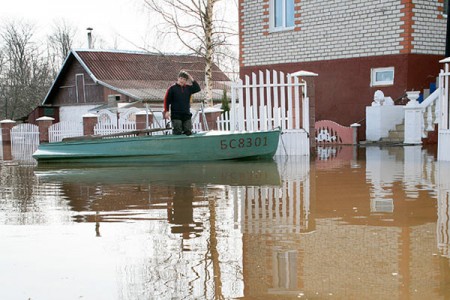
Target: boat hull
208,146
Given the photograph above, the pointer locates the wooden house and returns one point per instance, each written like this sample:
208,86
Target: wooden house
90,78
356,47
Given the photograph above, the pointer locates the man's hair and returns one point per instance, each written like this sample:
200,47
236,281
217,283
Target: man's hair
183,74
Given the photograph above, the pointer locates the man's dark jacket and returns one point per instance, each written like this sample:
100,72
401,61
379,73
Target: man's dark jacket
178,99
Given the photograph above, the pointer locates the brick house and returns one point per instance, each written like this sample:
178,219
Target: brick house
356,47
88,77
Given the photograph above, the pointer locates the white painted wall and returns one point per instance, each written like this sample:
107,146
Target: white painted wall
381,119
74,113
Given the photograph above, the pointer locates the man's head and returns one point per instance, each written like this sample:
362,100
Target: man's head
183,76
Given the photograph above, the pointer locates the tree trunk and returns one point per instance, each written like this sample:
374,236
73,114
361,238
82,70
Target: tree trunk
209,51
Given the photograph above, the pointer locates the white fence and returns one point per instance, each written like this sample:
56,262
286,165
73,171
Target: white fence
269,100
444,122
24,141
61,130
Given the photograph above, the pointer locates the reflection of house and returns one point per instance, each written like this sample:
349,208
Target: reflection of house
356,48
88,77
355,251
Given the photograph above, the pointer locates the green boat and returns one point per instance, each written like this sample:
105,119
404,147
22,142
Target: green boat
129,147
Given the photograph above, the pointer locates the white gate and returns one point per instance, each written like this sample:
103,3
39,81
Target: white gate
109,122
444,122
24,141
266,101
127,119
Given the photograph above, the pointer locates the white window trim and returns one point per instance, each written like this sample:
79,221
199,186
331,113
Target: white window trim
373,73
272,27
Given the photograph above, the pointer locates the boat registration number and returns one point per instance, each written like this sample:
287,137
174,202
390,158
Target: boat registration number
243,143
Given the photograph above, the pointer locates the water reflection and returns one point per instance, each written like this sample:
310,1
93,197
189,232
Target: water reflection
367,223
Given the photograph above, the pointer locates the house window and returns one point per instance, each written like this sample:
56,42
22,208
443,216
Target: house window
445,7
382,76
282,14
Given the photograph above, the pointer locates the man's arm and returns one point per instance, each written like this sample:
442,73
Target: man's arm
167,102
195,88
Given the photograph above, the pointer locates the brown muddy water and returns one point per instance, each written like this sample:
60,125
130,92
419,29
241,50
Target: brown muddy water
353,223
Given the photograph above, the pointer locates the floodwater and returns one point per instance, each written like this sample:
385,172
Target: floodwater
352,223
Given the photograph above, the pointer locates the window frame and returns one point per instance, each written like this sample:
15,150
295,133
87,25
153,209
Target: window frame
284,18
373,76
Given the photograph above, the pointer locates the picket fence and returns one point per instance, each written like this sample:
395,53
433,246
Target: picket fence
269,100
24,141
64,129
444,104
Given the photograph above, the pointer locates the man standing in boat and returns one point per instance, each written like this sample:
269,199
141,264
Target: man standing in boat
178,101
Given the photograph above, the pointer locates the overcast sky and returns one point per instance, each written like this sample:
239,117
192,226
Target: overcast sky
120,23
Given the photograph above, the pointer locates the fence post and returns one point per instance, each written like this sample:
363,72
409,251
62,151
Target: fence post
142,119
413,119
355,127
6,126
44,123
89,122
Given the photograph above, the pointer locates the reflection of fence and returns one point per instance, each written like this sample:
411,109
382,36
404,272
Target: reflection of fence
443,211
279,209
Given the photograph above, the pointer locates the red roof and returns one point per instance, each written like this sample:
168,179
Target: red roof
130,66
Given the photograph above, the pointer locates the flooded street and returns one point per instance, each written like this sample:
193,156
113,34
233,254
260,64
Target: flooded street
354,223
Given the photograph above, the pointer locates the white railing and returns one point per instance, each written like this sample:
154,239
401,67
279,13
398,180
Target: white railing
431,112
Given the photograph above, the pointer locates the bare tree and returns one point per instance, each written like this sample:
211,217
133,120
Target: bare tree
62,38
25,75
196,24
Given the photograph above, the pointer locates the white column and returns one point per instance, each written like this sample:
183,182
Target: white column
413,119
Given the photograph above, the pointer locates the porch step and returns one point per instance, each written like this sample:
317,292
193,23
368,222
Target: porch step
396,135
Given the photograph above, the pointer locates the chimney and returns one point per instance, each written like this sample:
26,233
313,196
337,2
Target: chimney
112,100
89,29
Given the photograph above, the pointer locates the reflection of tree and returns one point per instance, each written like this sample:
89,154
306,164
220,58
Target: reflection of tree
214,252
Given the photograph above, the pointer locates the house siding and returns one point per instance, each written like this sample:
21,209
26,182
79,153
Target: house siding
67,91
342,41
342,29
429,28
